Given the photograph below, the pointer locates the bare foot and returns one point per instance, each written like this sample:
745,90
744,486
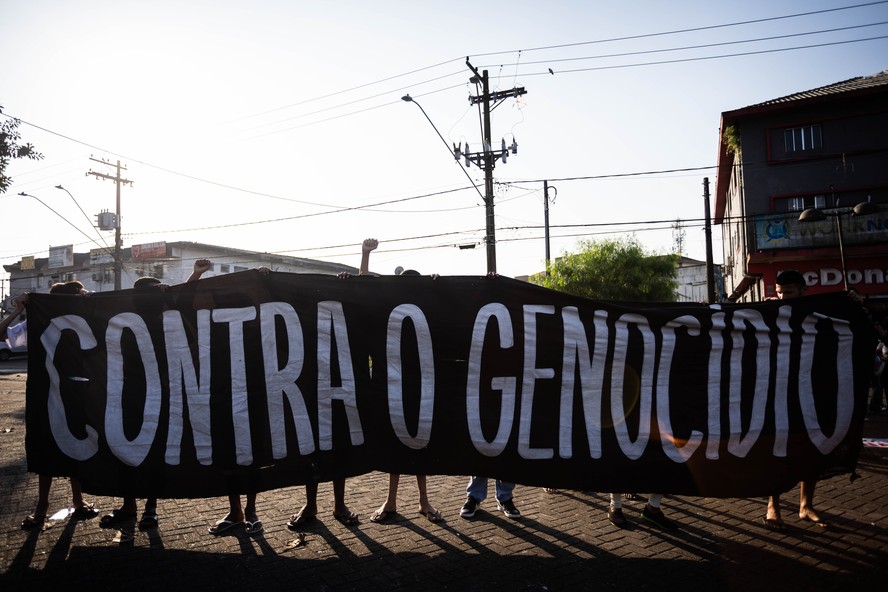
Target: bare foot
810,514
429,511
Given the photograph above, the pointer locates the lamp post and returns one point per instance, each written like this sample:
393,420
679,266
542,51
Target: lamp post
817,215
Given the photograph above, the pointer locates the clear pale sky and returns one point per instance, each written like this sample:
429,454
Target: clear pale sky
278,126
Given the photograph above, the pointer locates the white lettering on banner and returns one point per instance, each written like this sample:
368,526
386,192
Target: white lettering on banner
68,443
576,352
640,387
781,395
240,409
531,375
197,392
330,314
131,452
713,382
675,451
641,390
504,384
394,372
281,382
844,375
738,444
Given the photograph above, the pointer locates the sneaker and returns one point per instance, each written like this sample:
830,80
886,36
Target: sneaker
615,515
508,508
469,508
656,516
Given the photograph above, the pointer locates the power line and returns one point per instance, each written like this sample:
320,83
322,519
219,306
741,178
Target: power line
701,46
691,30
568,45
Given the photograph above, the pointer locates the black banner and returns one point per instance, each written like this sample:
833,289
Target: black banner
250,382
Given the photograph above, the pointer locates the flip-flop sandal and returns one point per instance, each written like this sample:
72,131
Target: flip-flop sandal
115,518
297,520
253,527
379,516
349,519
223,526
86,511
148,521
434,517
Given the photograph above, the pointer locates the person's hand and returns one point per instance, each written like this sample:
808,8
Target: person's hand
20,301
343,275
202,266
263,270
369,244
491,274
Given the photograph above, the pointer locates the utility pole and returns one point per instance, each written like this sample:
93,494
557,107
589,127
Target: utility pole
486,158
118,241
710,266
546,218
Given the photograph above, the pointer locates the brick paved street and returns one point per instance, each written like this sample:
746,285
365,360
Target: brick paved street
563,542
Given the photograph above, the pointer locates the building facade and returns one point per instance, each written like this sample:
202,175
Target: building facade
823,150
171,263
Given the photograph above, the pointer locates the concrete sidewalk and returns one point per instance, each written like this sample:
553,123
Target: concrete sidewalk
563,541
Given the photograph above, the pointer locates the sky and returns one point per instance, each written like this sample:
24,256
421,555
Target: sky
278,126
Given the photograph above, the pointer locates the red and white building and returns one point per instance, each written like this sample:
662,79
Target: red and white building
823,149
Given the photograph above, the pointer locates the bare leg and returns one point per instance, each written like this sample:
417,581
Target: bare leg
391,501
44,483
310,509
339,498
250,508
806,502
773,508
235,512
425,507
772,516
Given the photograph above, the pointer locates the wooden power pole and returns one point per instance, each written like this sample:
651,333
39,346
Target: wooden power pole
118,241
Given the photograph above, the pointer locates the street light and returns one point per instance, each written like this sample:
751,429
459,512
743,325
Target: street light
71,224
408,99
817,215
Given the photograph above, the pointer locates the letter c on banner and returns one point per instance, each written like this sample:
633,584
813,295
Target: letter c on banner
394,371
70,445
505,384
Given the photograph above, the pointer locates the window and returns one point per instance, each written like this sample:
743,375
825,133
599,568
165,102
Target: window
798,139
224,268
158,271
797,204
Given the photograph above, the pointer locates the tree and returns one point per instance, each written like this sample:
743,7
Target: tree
614,270
10,148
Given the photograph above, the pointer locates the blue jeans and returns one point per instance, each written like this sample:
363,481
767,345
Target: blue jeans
478,489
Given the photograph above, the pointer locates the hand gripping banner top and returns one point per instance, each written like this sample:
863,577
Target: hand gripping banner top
250,382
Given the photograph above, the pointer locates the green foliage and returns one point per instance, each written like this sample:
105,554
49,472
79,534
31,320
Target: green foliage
614,270
10,148
731,137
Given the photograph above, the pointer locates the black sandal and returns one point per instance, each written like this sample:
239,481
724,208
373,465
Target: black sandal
115,518
148,521
86,511
33,521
